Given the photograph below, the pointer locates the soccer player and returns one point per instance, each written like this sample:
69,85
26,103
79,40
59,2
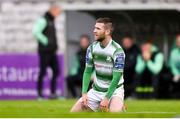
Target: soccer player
106,58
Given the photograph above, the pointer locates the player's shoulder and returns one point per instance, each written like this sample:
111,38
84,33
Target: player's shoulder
117,47
92,45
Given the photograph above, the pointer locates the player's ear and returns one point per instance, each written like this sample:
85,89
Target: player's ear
108,32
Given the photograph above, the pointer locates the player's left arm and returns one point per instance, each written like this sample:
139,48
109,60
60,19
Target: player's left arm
86,76
119,61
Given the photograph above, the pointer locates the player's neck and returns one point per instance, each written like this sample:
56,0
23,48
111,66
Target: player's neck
106,41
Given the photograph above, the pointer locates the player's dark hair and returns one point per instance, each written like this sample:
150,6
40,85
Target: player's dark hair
107,22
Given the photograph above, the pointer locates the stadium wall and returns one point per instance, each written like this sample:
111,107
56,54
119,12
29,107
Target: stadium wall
18,49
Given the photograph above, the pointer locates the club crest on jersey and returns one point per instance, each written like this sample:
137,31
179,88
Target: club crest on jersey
96,57
108,59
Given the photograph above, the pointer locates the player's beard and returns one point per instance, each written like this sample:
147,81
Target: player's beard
101,38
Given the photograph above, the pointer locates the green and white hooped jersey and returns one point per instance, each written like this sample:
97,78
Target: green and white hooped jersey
105,61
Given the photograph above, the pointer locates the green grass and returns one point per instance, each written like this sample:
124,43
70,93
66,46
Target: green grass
60,108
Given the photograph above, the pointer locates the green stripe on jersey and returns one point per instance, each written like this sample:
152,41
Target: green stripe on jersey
102,58
103,75
100,89
103,78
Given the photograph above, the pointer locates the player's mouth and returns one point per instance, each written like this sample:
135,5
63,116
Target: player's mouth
95,35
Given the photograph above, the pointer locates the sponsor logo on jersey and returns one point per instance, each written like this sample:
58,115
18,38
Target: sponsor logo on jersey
102,66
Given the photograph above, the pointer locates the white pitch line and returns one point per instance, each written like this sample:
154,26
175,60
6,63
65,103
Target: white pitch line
151,112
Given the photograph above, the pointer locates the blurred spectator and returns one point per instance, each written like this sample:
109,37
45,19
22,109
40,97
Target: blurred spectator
45,33
131,51
76,73
149,65
175,68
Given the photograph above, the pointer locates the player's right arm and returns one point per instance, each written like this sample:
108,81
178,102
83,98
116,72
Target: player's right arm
87,75
38,31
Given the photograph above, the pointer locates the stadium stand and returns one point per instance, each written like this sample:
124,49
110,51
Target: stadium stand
16,21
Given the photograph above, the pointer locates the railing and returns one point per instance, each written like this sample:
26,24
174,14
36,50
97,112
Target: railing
100,1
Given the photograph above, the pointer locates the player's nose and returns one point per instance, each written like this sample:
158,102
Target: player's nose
94,31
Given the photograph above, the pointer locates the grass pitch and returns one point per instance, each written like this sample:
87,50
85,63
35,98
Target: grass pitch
60,109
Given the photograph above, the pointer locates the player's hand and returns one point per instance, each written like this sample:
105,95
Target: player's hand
84,101
104,105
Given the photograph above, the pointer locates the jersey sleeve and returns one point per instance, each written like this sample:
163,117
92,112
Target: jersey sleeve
119,60
88,70
89,57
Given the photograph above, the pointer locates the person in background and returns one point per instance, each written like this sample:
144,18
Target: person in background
131,51
45,32
149,65
76,73
175,68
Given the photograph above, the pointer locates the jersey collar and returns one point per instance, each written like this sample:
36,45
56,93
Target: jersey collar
107,44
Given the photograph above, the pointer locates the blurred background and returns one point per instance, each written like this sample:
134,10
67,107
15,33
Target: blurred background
136,21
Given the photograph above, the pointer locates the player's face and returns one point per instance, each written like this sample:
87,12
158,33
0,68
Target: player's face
99,32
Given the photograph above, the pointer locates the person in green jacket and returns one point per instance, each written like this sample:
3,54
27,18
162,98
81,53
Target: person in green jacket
44,32
148,67
175,68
